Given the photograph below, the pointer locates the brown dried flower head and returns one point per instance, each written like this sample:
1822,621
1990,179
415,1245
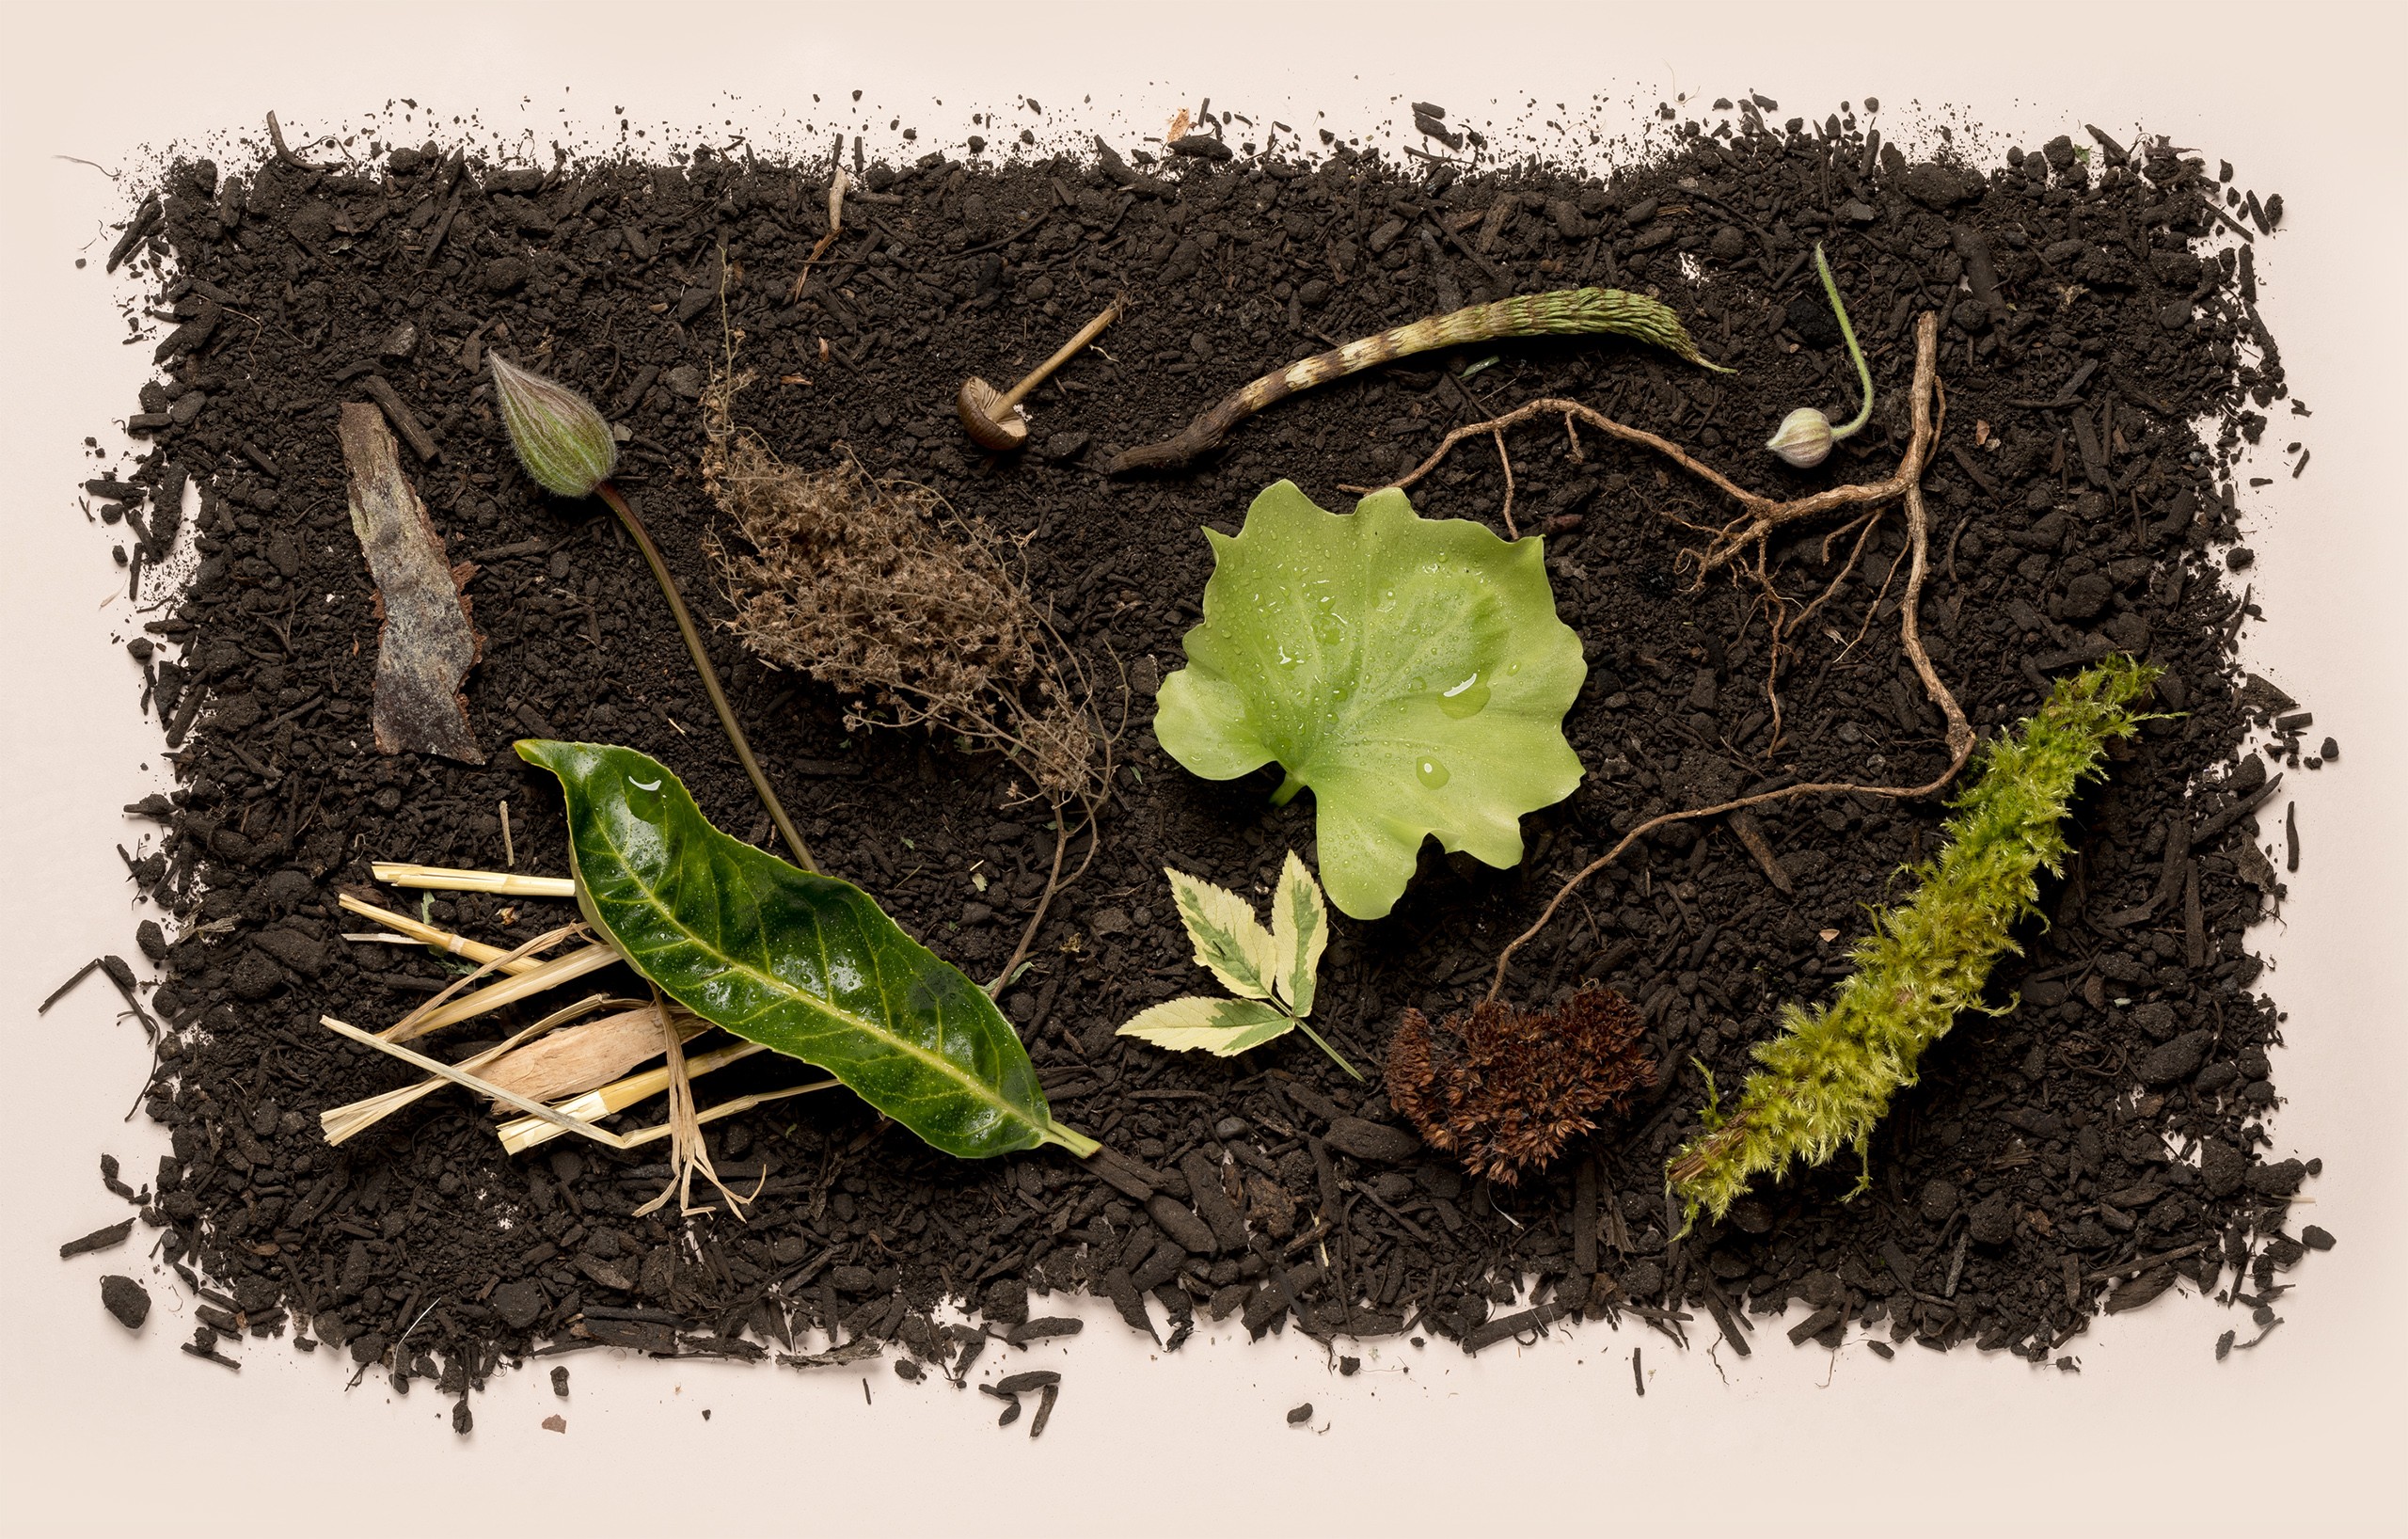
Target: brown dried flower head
1505,1088
879,589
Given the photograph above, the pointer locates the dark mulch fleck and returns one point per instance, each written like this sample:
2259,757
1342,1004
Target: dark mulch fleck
126,1299
2026,1181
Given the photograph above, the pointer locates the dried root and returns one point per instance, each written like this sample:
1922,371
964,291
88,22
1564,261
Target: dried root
1518,1084
1741,546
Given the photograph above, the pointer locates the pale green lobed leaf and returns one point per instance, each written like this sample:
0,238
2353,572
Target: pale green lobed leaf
1412,672
1229,939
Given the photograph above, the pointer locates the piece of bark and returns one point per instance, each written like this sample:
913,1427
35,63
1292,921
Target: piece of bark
585,1056
1751,836
405,420
429,641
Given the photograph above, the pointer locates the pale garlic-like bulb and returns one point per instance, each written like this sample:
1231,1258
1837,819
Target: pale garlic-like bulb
1805,438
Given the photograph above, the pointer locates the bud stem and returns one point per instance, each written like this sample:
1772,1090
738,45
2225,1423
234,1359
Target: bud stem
634,526
1848,334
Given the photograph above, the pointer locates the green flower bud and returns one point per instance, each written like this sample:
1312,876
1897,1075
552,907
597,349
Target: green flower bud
561,440
1804,439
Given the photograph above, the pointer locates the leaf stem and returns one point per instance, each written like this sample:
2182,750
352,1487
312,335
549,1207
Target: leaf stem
1287,791
634,526
1335,1057
1070,1138
1848,334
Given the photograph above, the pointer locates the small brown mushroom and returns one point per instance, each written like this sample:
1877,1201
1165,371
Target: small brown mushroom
993,418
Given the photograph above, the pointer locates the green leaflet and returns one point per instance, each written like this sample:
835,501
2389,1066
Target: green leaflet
1411,670
1299,934
806,965
1224,1027
1272,970
1229,941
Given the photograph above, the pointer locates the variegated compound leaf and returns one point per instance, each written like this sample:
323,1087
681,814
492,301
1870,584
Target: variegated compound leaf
1229,940
1274,968
1224,1027
1299,934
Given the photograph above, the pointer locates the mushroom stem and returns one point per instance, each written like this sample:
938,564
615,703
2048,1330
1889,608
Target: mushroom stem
1038,375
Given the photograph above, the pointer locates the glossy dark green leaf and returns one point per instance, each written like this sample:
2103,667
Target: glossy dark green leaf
806,965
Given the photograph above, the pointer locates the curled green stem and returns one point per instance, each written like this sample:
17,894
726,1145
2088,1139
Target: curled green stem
634,526
1848,334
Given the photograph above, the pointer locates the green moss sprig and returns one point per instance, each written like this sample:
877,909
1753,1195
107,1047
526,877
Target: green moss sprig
1828,1078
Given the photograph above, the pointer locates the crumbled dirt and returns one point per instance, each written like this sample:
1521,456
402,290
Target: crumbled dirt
2079,1152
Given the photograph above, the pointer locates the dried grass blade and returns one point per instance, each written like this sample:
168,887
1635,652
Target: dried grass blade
440,940
349,1120
445,880
461,1077
527,1132
550,976
407,1027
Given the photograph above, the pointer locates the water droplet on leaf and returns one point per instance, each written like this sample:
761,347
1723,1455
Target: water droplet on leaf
1432,774
1466,699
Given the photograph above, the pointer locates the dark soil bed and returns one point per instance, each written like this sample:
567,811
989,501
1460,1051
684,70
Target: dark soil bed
2079,1152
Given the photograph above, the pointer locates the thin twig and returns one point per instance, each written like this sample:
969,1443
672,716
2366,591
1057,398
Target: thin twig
1763,513
1548,405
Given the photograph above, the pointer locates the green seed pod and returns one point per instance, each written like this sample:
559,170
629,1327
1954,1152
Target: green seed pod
561,440
1804,439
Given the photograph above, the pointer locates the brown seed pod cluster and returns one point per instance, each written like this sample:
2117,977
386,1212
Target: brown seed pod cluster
1505,1089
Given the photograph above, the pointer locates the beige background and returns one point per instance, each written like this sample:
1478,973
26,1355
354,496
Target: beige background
107,1434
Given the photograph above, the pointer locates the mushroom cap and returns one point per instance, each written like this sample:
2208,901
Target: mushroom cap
976,407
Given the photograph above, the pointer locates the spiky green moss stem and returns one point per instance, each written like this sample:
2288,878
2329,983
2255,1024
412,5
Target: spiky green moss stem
1828,1078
